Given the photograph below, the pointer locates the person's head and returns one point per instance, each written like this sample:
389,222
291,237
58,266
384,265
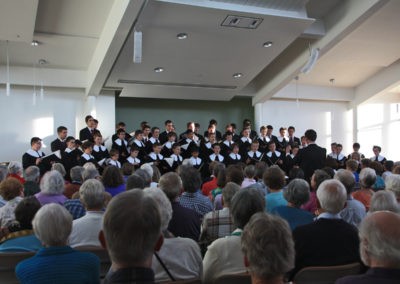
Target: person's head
388,165
254,146
311,135
216,148
11,188
356,147
396,169
249,171
163,203
36,143
195,152
171,184
139,134
176,149
132,229
228,192
62,132
334,147
268,246
331,196
356,156
145,175
234,174
329,170
263,130
76,174
25,211
112,177
351,165
246,132
59,168
114,154
347,178
89,120
377,150
190,125
274,178
191,179
295,149
384,200
121,134
127,169
155,132
244,204
52,183
365,163
291,131
282,131
392,183
120,125
246,123
380,240
32,173
156,174
296,173
91,194
189,134
270,129
90,173
70,141
339,148
15,168
272,146
134,181
260,168
297,192
134,151
169,126
367,178
87,147
146,130
317,178
171,136
52,225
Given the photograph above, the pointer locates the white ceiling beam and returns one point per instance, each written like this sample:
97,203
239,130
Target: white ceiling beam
378,84
338,24
116,29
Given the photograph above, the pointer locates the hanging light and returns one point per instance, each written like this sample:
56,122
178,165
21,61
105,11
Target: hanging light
8,87
41,63
34,85
297,91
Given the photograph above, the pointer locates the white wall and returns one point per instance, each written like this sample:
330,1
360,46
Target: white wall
20,120
332,120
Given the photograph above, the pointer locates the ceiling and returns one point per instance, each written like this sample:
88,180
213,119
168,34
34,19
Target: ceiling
357,40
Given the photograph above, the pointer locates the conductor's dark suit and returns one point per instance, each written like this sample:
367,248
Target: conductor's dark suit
310,159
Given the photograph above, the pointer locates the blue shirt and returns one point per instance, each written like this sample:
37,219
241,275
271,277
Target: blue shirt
197,202
21,244
294,216
59,265
354,212
274,199
75,207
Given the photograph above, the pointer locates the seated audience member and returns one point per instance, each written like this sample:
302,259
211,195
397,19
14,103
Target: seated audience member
388,168
90,172
296,194
113,180
184,222
218,223
21,237
249,173
181,256
191,197
134,181
56,261
127,170
316,179
268,248
224,255
234,173
12,192
145,175
52,188
379,182
329,240
76,181
211,184
393,184
367,180
260,169
155,177
32,178
396,169
216,194
85,230
131,250
379,250
354,211
352,166
377,155
59,168
15,170
384,200
274,178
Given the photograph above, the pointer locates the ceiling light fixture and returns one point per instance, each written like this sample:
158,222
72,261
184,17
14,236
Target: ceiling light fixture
41,63
182,36
158,69
137,46
267,44
35,43
8,85
237,75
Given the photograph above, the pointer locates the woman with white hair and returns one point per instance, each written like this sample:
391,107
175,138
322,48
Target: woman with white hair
15,170
367,180
179,258
393,184
57,262
384,200
52,188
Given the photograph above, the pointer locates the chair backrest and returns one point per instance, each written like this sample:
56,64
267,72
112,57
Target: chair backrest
8,262
102,254
325,274
240,278
186,281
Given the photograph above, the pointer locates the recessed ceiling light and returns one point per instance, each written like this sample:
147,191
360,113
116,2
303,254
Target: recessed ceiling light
267,44
158,69
182,36
42,61
35,43
237,75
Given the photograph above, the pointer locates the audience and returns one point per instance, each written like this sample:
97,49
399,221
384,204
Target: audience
85,230
268,248
224,255
32,179
57,262
379,250
329,240
367,180
131,248
185,222
384,200
354,211
296,194
274,178
12,191
52,188
181,256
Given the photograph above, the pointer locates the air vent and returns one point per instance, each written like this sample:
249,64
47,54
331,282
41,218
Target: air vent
173,84
241,22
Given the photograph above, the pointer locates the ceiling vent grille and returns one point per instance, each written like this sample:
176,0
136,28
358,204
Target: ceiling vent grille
241,22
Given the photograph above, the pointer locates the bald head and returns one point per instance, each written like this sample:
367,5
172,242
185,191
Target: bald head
380,240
